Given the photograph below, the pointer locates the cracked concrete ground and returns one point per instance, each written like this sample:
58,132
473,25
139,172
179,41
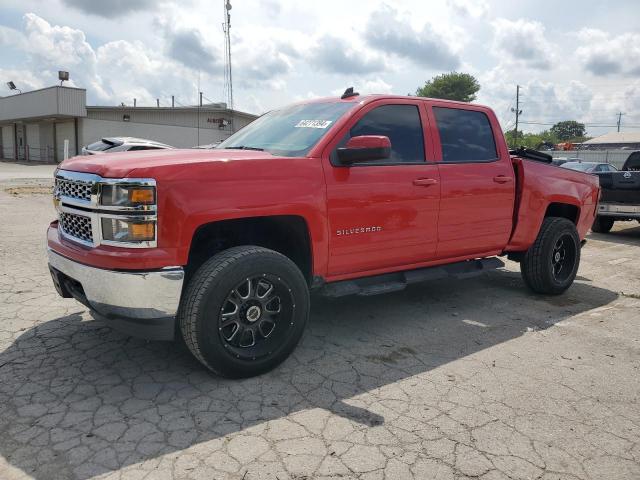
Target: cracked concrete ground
446,380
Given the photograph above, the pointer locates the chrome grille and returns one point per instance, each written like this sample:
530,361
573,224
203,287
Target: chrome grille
74,189
77,226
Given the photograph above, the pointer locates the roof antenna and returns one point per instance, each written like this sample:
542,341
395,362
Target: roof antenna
349,93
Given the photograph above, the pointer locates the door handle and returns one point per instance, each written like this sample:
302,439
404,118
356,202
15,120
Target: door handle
425,182
502,179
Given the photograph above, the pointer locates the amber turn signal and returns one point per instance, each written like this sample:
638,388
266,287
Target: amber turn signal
140,232
141,196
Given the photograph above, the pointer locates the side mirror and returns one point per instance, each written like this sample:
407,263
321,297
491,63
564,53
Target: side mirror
365,148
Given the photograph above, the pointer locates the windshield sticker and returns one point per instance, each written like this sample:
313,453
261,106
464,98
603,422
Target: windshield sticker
313,124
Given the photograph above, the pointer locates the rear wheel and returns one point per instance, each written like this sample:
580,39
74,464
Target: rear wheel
244,311
551,263
602,224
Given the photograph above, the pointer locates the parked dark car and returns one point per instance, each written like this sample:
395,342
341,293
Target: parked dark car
589,167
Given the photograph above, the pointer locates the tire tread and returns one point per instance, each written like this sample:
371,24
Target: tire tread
199,285
533,262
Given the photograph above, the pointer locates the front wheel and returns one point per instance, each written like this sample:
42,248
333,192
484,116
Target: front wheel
244,311
551,263
602,224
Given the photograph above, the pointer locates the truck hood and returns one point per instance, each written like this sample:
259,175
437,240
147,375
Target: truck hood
155,163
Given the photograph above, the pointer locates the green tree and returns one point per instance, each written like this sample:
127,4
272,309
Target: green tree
535,141
451,86
568,130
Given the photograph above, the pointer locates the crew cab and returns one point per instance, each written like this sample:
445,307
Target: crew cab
620,199
352,195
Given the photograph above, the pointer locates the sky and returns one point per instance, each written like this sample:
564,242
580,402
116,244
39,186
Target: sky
574,60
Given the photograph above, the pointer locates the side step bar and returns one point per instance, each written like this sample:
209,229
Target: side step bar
393,282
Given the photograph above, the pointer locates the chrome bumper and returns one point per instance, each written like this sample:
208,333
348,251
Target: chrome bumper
136,302
618,210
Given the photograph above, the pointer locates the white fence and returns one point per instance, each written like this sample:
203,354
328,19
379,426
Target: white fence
614,157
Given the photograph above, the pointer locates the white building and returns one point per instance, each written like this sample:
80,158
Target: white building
614,140
36,124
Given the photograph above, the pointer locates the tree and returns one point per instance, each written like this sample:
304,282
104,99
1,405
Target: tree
568,130
451,86
536,141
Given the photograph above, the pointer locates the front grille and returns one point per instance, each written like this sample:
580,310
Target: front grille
77,226
74,189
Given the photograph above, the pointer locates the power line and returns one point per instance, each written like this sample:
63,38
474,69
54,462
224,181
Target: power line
593,125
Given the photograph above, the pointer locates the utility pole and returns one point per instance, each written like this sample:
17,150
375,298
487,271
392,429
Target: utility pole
199,107
620,119
518,112
226,27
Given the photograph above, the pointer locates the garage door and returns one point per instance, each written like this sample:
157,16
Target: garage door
65,130
7,142
33,142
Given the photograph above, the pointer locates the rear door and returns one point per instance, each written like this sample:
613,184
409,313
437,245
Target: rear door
477,193
383,214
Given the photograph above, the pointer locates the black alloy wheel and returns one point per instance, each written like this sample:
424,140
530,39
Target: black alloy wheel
255,316
563,257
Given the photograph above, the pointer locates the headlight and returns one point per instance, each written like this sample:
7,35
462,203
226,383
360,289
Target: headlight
137,228
123,195
128,230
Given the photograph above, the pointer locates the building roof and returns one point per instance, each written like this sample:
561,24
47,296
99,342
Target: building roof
206,108
615,137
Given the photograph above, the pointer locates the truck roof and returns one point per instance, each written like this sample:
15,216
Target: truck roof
357,98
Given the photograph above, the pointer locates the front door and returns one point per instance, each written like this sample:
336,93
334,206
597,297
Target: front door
383,213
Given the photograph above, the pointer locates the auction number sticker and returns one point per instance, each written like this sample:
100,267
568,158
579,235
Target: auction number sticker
313,124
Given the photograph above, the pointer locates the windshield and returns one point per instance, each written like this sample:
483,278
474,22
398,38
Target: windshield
291,131
99,146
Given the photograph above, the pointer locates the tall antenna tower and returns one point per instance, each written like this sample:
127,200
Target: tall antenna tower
228,78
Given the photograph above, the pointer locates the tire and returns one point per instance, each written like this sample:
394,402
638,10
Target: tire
602,224
551,263
257,293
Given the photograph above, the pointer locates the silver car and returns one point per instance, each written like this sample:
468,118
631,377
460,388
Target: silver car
122,144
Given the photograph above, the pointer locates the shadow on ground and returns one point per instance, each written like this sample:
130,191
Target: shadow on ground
78,399
629,234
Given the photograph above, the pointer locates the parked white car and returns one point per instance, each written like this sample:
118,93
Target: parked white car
122,144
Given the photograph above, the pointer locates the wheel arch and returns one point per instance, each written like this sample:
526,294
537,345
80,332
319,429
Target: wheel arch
566,210
287,234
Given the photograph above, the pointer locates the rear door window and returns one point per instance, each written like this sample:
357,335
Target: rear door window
465,135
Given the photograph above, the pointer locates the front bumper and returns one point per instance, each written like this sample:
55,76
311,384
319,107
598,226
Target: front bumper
619,210
139,303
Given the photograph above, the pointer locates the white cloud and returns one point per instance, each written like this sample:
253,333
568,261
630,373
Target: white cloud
337,55
389,31
110,8
603,54
469,8
522,42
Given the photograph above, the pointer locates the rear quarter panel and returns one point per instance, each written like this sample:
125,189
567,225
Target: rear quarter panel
540,185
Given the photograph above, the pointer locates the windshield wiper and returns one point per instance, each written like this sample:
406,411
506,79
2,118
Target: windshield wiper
244,147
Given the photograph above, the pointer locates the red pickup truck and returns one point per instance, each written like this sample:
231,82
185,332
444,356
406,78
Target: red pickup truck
351,195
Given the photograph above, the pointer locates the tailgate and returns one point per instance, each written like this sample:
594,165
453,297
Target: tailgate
620,187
